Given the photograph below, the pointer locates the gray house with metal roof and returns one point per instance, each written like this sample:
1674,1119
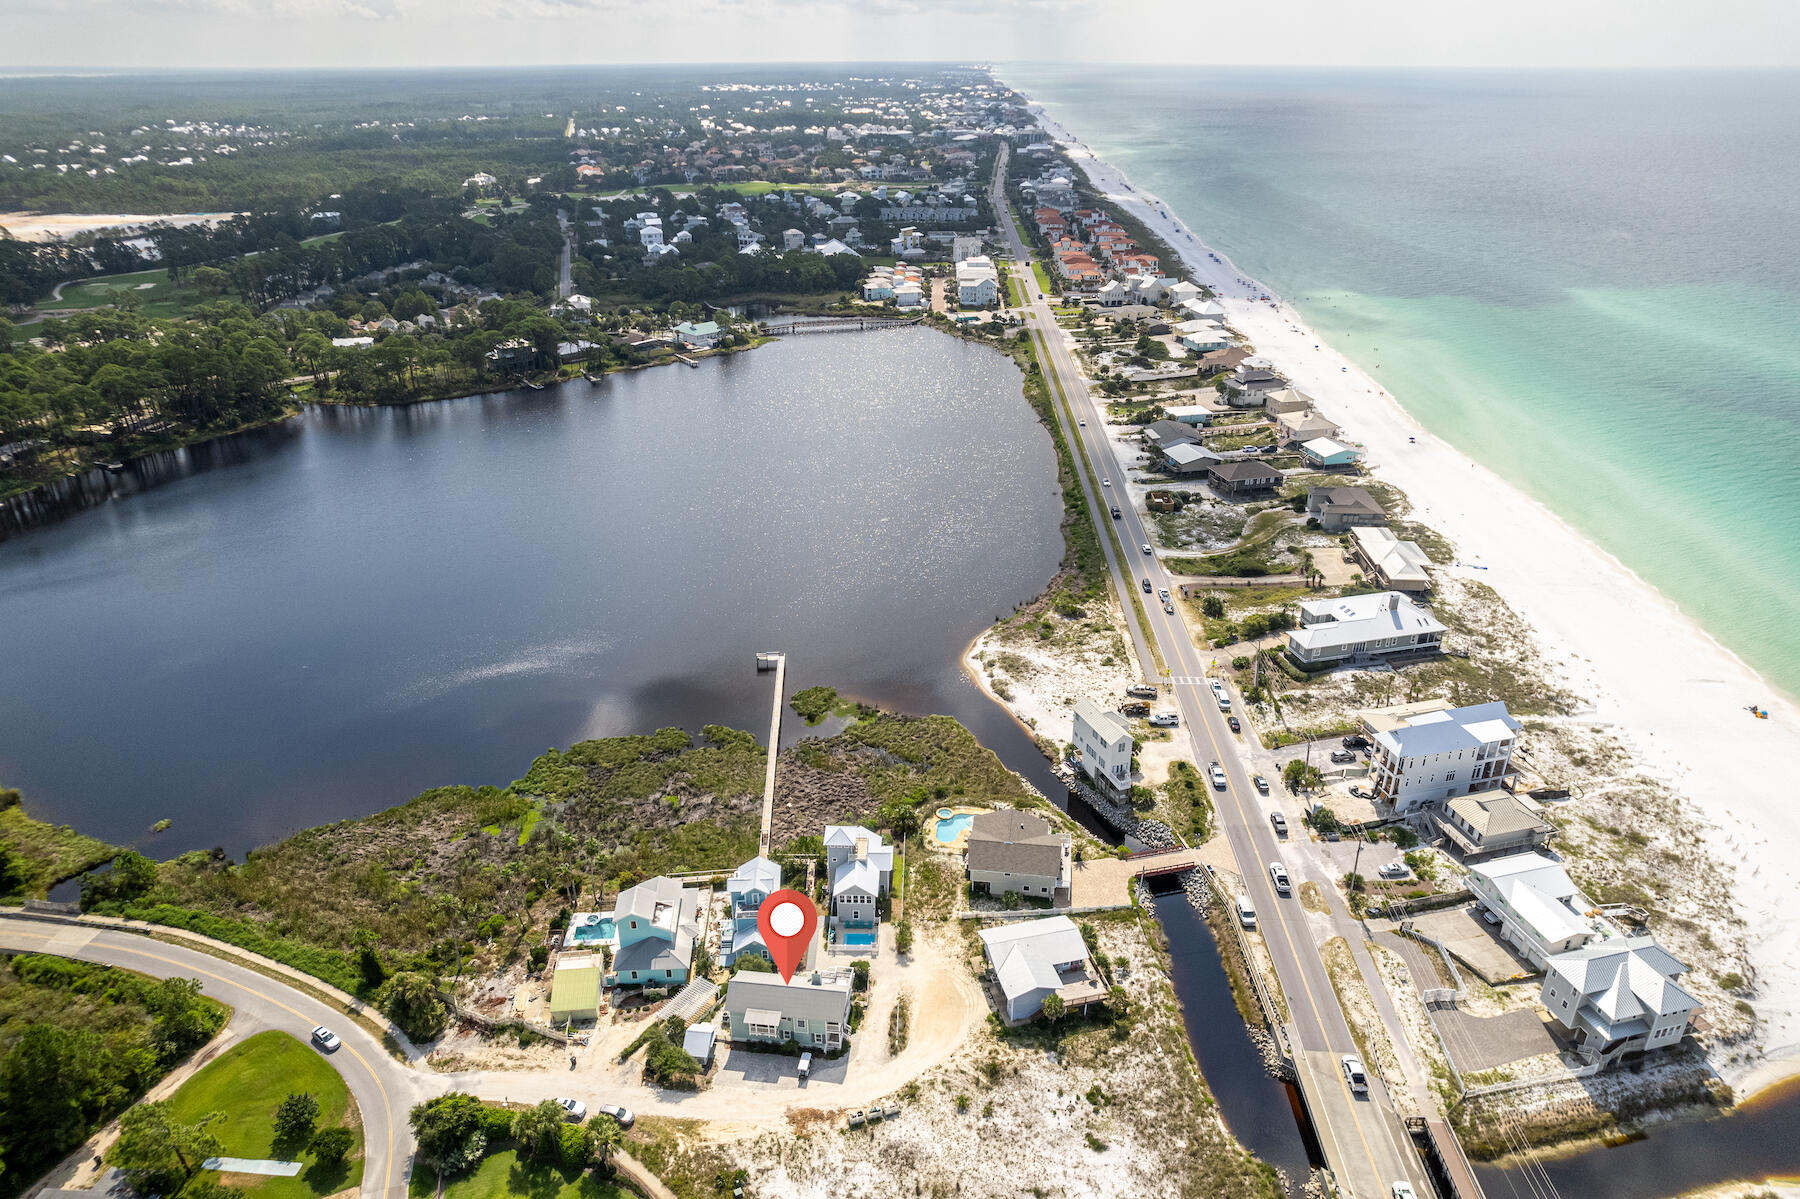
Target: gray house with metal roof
1010,850
812,1010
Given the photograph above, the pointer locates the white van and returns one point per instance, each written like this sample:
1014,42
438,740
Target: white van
1246,912
1220,694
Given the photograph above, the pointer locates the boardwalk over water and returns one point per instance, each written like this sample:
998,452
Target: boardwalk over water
844,324
778,662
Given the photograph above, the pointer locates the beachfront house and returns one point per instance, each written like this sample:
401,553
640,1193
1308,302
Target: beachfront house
1340,508
1246,386
1433,756
1618,996
1355,628
1389,562
1035,959
1187,458
1204,339
1489,824
1542,912
860,867
1103,740
1294,428
1323,453
745,890
1010,850
656,930
812,1009
1182,292
1242,477
702,335
1287,401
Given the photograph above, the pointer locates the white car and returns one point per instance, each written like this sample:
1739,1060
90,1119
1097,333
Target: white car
325,1039
1082,423
1402,1190
1278,873
1218,777
621,1115
574,1110
1106,482
1145,547
1162,593
1353,1073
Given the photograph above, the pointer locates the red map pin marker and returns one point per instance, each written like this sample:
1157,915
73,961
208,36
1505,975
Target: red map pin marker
787,921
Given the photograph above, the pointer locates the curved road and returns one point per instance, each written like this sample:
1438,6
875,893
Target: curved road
385,1089
1364,1141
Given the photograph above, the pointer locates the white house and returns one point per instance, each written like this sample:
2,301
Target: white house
1542,912
908,295
650,235
1113,295
860,867
1618,996
1205,339
1104,741
962,248
1189,414
1034,959
1388,561
1362,626
1209,311
977,282
1434,756
704,335
910,241
1180,293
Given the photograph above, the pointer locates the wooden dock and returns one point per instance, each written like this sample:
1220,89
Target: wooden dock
856,324
1152,863
777,662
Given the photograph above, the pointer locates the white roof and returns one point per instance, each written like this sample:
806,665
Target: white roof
1186,454
1356,618
1324,447
1540,893
1626,978
877,852
1025,954
758,874
854,876
1398,560
1110,725
1448,730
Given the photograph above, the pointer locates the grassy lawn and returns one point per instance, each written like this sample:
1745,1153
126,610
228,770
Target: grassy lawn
1043,278
155,293
504,1174
246,1083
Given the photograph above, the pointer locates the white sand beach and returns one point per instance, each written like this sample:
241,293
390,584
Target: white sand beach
1675,695
54,226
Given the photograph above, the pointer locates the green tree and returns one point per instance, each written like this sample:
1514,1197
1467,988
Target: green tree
295,1118
607,1136
903,936
331,1145
413,1004
158,1152
1053,1008
1213,606
538,1130
448,1130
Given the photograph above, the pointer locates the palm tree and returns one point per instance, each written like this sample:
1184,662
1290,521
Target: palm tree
607,1136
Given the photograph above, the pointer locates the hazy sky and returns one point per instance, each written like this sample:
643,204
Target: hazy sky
374,33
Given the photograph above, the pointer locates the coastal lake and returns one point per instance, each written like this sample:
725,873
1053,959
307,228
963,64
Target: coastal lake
321,619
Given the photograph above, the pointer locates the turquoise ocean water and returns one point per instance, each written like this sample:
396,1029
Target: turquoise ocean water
1588,282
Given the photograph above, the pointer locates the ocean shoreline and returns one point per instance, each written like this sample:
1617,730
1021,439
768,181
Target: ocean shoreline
1679,705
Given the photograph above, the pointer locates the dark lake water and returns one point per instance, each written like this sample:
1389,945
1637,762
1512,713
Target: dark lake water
320,620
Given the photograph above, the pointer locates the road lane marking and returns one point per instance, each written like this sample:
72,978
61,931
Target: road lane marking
388,1174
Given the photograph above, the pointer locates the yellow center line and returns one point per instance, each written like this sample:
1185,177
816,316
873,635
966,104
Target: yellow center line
388,1173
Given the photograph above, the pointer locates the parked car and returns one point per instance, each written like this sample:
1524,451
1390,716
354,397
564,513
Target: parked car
1232,721
574,1110
1342,755
1279,876
1353,1073
1142,690
1261,783
1245,912
1280,823
325,1039
1488,915
1392,870
1356,741
1165,720
805,1065
621,1115
1135,709
1217,774
1115,512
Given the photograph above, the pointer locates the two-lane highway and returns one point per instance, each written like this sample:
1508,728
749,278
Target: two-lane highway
1364,1142
385,1089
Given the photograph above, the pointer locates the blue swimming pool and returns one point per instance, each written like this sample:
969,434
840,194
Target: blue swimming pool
856,938
950,828
590,929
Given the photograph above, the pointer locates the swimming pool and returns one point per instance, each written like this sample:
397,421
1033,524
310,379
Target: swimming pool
944,813
856,938
952,827
589,929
